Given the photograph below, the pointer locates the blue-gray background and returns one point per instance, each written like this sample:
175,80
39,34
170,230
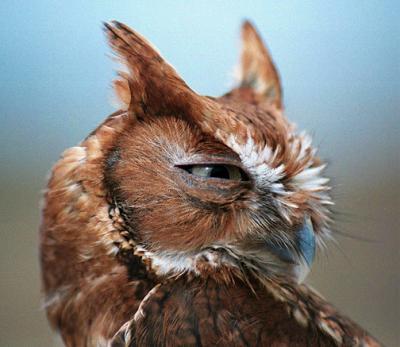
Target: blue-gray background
339,63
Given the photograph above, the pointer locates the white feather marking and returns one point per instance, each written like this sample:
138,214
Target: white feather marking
300,317
54,297
101,341
309,173
175,263
76,153
165,263
261,86
140,313
301,270
310,179
304,141
330,331
257,160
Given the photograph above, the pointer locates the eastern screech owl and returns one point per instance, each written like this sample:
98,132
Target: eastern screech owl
188,220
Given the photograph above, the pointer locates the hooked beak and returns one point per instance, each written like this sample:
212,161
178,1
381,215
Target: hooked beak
300,253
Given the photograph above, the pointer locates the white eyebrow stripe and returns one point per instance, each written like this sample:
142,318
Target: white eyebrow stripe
258,161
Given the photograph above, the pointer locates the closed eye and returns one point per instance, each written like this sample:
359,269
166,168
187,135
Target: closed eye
222,171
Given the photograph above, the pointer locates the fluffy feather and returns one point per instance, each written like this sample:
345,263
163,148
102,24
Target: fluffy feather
136,246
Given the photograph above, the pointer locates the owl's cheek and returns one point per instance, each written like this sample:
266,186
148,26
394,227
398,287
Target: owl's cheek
192,220
184,226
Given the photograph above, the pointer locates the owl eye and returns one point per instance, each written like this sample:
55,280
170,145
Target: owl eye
227,172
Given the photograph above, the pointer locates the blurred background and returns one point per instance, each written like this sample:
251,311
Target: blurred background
340,66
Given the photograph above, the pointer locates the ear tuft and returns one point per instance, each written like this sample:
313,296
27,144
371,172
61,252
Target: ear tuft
151,86
257,70
150,83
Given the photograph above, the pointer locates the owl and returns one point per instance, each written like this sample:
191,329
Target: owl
189,220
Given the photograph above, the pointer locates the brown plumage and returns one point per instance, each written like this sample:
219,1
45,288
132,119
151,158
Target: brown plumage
187,220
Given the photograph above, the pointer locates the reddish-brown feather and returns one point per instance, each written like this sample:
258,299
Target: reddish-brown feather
120,197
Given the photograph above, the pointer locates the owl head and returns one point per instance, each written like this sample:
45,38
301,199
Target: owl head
185,183
200,183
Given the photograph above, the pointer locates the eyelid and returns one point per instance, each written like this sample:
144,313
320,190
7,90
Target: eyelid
245,177
211,160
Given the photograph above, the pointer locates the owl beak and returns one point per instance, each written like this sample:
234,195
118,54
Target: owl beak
301,253
305,241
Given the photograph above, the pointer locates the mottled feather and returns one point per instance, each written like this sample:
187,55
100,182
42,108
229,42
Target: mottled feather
139,250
